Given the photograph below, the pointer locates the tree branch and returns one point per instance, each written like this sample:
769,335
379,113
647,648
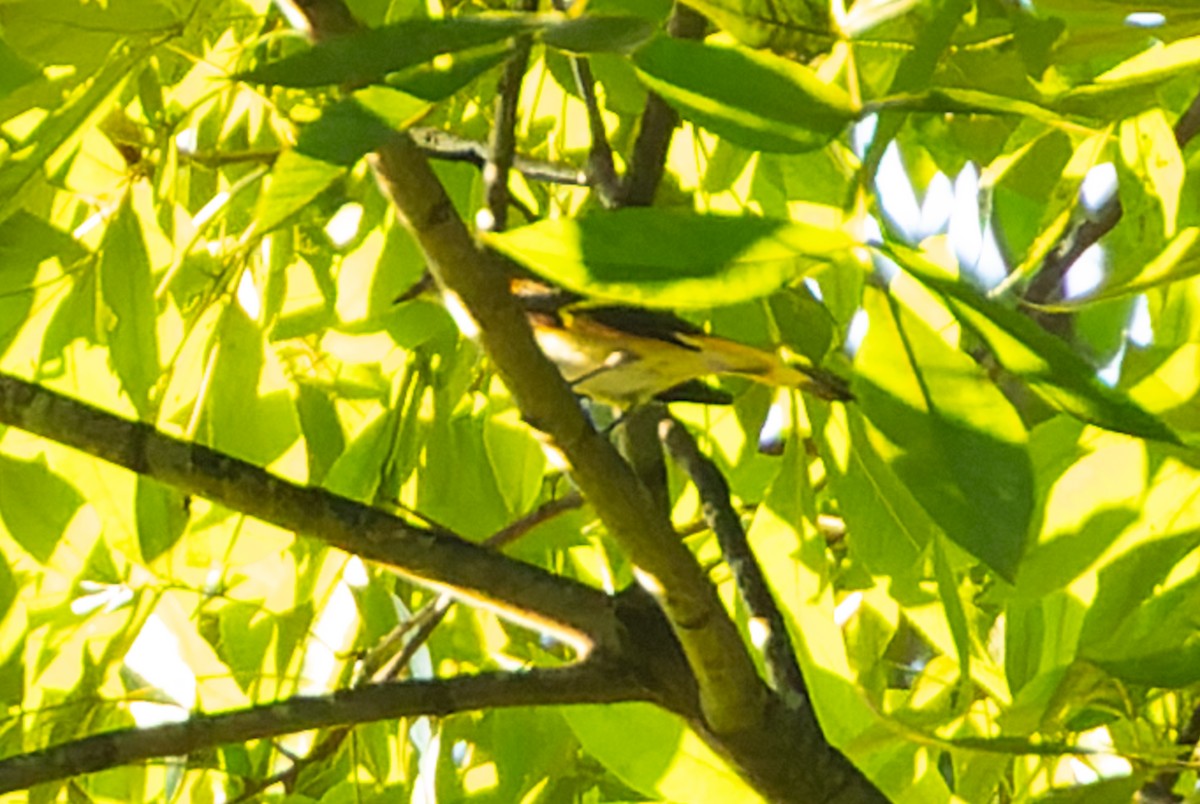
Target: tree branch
783,670
447,146
503,144
1085,232
580,615
433,142
729,703
731,692
588,682
1158,790
658,124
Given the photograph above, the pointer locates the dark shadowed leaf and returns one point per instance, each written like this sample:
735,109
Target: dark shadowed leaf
36,505
1049,366
948,434
596,33
162,516
25,242
369,55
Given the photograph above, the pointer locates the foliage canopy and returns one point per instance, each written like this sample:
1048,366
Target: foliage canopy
977,577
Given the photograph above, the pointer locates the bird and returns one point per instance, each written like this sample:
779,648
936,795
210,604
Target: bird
626,356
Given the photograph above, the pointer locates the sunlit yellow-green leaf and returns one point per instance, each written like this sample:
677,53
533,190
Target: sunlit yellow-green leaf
655,753
757,100
666,259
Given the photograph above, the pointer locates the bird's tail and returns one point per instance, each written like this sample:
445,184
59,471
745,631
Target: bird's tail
730,357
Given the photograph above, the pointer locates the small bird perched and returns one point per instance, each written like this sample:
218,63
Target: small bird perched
626,356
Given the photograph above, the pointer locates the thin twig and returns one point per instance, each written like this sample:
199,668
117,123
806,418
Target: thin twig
1159,789
502,145
637,439
388,659
435,143
1085,232
449,147
779,657
601,169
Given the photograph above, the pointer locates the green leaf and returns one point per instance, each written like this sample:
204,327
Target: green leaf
805,324
797,25
245,634
1139,625
1031,189
1180,260
956,615
292,628
594,33
655,754
456,467
517,460
1154,642
13,681
1097,33
1151,155
1106,791
383,111
8,593
667,259
350,129
357,471
1089,492
162,517
36,505
369,55
891,529
916,69
25,242
758,100
323,436
1154,65
949,434
62,124
949,100
1058,375
15,72
434,81
249,412
296,179
329,146
127,290
80,33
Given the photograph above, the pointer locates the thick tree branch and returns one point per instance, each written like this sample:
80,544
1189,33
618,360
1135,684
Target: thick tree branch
395,649
731,692
581,615
589,682
658,124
